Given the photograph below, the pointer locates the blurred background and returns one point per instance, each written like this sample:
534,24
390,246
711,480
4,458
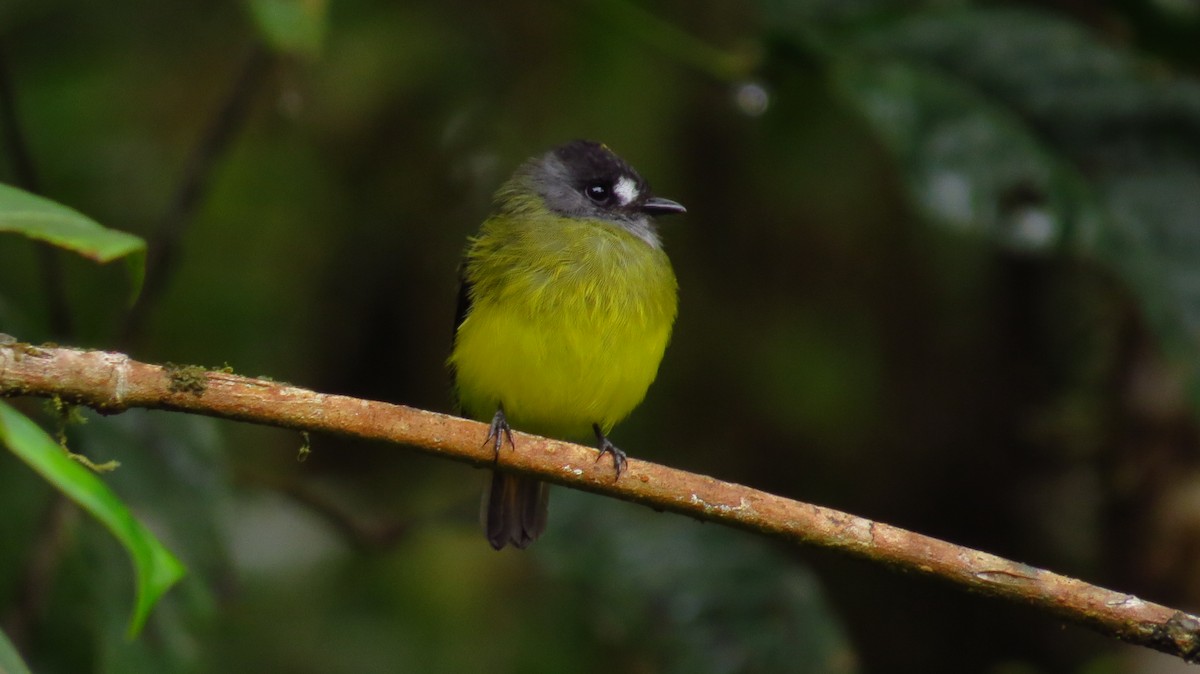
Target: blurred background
939,269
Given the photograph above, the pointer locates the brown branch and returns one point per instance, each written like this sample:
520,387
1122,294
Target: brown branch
112,382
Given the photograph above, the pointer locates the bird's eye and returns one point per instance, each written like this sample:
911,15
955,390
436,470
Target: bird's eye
597,192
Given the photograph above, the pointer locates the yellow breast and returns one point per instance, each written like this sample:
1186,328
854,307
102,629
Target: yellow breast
567,326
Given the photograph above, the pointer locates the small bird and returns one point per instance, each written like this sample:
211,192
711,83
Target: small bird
565,307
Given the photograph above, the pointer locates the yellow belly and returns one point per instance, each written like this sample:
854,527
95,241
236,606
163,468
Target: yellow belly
554,377
565,347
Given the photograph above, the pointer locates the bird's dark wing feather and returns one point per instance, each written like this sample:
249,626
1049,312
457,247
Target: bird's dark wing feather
464,299
460,315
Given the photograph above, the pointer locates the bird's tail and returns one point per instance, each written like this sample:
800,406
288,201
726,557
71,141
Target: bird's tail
514,510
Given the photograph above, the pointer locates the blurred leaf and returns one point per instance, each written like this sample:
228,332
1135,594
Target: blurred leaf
10,659
173,469
1154,243
58,225
156,568
970,165
1029,129
631,19
1085,97
681,597
292,26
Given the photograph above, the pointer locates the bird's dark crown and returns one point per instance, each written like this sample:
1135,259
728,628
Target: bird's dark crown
587,181
590,164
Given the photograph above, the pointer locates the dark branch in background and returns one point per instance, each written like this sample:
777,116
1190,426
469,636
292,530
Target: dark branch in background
26,178
360,533
112,382
34,581
214,142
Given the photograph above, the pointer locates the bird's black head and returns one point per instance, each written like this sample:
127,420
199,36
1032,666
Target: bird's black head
585,179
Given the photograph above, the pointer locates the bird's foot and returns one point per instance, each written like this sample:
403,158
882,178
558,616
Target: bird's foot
499,431
607,447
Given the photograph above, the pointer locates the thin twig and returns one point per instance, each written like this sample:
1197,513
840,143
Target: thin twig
112,382
40,567
214,141
36,577
359,532
26,178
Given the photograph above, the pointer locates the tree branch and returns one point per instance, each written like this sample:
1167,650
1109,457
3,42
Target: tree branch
112,382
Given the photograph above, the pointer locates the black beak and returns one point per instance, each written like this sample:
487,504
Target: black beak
660,206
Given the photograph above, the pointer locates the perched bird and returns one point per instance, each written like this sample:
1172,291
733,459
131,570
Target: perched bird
565,308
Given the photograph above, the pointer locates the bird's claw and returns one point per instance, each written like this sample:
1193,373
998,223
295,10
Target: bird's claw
498,432
607,447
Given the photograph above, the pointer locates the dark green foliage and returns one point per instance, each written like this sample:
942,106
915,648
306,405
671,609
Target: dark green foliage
938,268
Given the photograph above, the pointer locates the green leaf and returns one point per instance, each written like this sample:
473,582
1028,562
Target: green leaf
45,220
10,659
292,26
39,218
156,568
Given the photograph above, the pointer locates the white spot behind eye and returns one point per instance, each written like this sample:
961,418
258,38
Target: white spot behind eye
626,190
